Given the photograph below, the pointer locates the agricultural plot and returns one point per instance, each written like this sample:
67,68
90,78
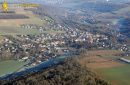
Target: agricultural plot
23,31
123,10
97,62
116,75
13,26
106,64
9,66
16,31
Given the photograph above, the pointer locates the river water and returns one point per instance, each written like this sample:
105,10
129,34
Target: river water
37,68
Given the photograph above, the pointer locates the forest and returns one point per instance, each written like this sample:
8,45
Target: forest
70,72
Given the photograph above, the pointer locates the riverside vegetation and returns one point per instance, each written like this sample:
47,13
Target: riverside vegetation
69,72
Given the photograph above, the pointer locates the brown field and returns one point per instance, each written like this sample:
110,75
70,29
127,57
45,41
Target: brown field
94,59
96,62
18,22
103,52
13,26
33,19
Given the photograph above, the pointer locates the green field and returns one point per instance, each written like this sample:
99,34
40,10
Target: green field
116,75
9,66
123,10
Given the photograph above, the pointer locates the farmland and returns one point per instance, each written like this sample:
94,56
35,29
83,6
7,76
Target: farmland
13,26
107,65
9,66
21,31
16,31
117,75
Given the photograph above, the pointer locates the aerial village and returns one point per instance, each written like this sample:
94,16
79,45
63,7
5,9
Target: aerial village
60,40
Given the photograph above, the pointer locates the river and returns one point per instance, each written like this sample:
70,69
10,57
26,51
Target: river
37,68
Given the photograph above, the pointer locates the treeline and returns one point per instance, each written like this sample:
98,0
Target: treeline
68,73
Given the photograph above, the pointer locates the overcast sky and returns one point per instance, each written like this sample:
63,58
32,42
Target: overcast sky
64,1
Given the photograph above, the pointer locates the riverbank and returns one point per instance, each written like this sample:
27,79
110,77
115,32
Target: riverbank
70,72
43,65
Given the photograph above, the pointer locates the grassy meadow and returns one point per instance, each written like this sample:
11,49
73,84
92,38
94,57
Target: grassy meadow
106,64
117,75
9,66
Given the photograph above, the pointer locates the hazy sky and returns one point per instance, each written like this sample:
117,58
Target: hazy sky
65,1
70,1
